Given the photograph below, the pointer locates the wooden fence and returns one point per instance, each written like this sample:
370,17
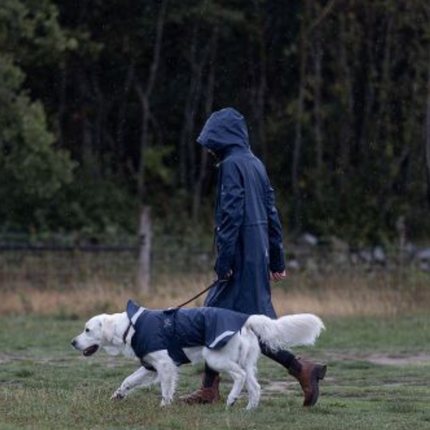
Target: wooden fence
53,265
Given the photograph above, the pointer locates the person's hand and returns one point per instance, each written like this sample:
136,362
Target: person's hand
277,276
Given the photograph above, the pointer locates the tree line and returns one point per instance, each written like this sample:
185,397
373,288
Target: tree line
101,103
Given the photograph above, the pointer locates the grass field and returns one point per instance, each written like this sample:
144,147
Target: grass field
378,378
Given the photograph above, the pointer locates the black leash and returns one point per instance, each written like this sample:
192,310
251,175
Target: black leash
199,294
124,336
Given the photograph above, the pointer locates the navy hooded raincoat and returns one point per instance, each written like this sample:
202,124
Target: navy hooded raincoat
248,232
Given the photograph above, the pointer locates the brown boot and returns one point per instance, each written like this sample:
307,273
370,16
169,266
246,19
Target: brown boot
203,395
309,377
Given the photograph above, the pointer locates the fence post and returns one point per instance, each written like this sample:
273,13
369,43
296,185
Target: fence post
145,236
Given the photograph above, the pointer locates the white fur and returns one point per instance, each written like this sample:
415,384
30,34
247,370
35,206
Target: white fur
287,331
238,358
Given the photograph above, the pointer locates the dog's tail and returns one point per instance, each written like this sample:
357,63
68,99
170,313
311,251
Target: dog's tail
287,331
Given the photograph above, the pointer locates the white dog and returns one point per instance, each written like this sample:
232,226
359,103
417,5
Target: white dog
234,348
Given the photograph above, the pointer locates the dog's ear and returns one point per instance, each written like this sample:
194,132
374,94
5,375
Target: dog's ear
108,328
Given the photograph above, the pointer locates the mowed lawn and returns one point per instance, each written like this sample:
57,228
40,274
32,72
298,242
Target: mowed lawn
378,378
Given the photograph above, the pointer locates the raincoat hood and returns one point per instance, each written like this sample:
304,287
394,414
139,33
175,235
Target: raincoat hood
223,130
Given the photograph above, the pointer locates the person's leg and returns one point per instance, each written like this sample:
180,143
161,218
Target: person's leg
284,358
209,377
307,373
208,392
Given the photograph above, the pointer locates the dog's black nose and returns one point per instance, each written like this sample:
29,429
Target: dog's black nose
73,343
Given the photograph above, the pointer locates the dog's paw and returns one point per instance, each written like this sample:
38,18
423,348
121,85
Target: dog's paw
118,395
251,405
166,402
231,401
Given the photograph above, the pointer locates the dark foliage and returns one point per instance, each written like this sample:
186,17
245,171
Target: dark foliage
101,102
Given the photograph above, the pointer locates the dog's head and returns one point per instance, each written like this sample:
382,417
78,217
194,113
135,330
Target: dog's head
102,331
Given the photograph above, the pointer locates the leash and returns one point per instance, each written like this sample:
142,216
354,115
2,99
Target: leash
199,294
124,336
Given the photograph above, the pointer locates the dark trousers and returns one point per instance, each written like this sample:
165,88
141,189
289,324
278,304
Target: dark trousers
284,358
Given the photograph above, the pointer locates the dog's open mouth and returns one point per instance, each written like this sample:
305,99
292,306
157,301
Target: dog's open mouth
90,350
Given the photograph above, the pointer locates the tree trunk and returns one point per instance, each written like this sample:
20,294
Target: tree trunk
198,188
297,149
144,94
62,103
145,239
122,111
144,131
198,61
87,152
99,122
348,103
261,96
385,87
257,55
427,134
317,57
366,126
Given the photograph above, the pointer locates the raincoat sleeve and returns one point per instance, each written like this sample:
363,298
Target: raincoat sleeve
276,247
232,194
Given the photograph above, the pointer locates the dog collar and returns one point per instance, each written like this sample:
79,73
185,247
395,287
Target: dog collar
132,307
124,336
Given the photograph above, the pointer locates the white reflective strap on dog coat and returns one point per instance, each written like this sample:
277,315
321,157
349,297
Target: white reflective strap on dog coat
175,329
227,334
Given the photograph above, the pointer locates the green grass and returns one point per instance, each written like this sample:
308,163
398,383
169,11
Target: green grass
44,384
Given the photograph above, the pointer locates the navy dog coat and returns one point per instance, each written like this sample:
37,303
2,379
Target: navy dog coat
175,329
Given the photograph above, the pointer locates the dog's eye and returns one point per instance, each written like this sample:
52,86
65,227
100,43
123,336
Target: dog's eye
87,330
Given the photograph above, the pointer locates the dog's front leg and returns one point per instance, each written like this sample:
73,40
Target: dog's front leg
141,378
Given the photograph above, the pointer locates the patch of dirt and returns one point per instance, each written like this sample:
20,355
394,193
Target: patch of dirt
398,360
380,358
286,386
273,387
6,358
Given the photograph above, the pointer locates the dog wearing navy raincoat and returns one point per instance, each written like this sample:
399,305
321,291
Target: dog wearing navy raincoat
165,339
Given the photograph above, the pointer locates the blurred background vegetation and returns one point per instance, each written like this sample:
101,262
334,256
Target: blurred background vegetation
101,103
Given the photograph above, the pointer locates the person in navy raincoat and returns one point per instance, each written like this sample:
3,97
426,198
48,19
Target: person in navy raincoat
248,238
